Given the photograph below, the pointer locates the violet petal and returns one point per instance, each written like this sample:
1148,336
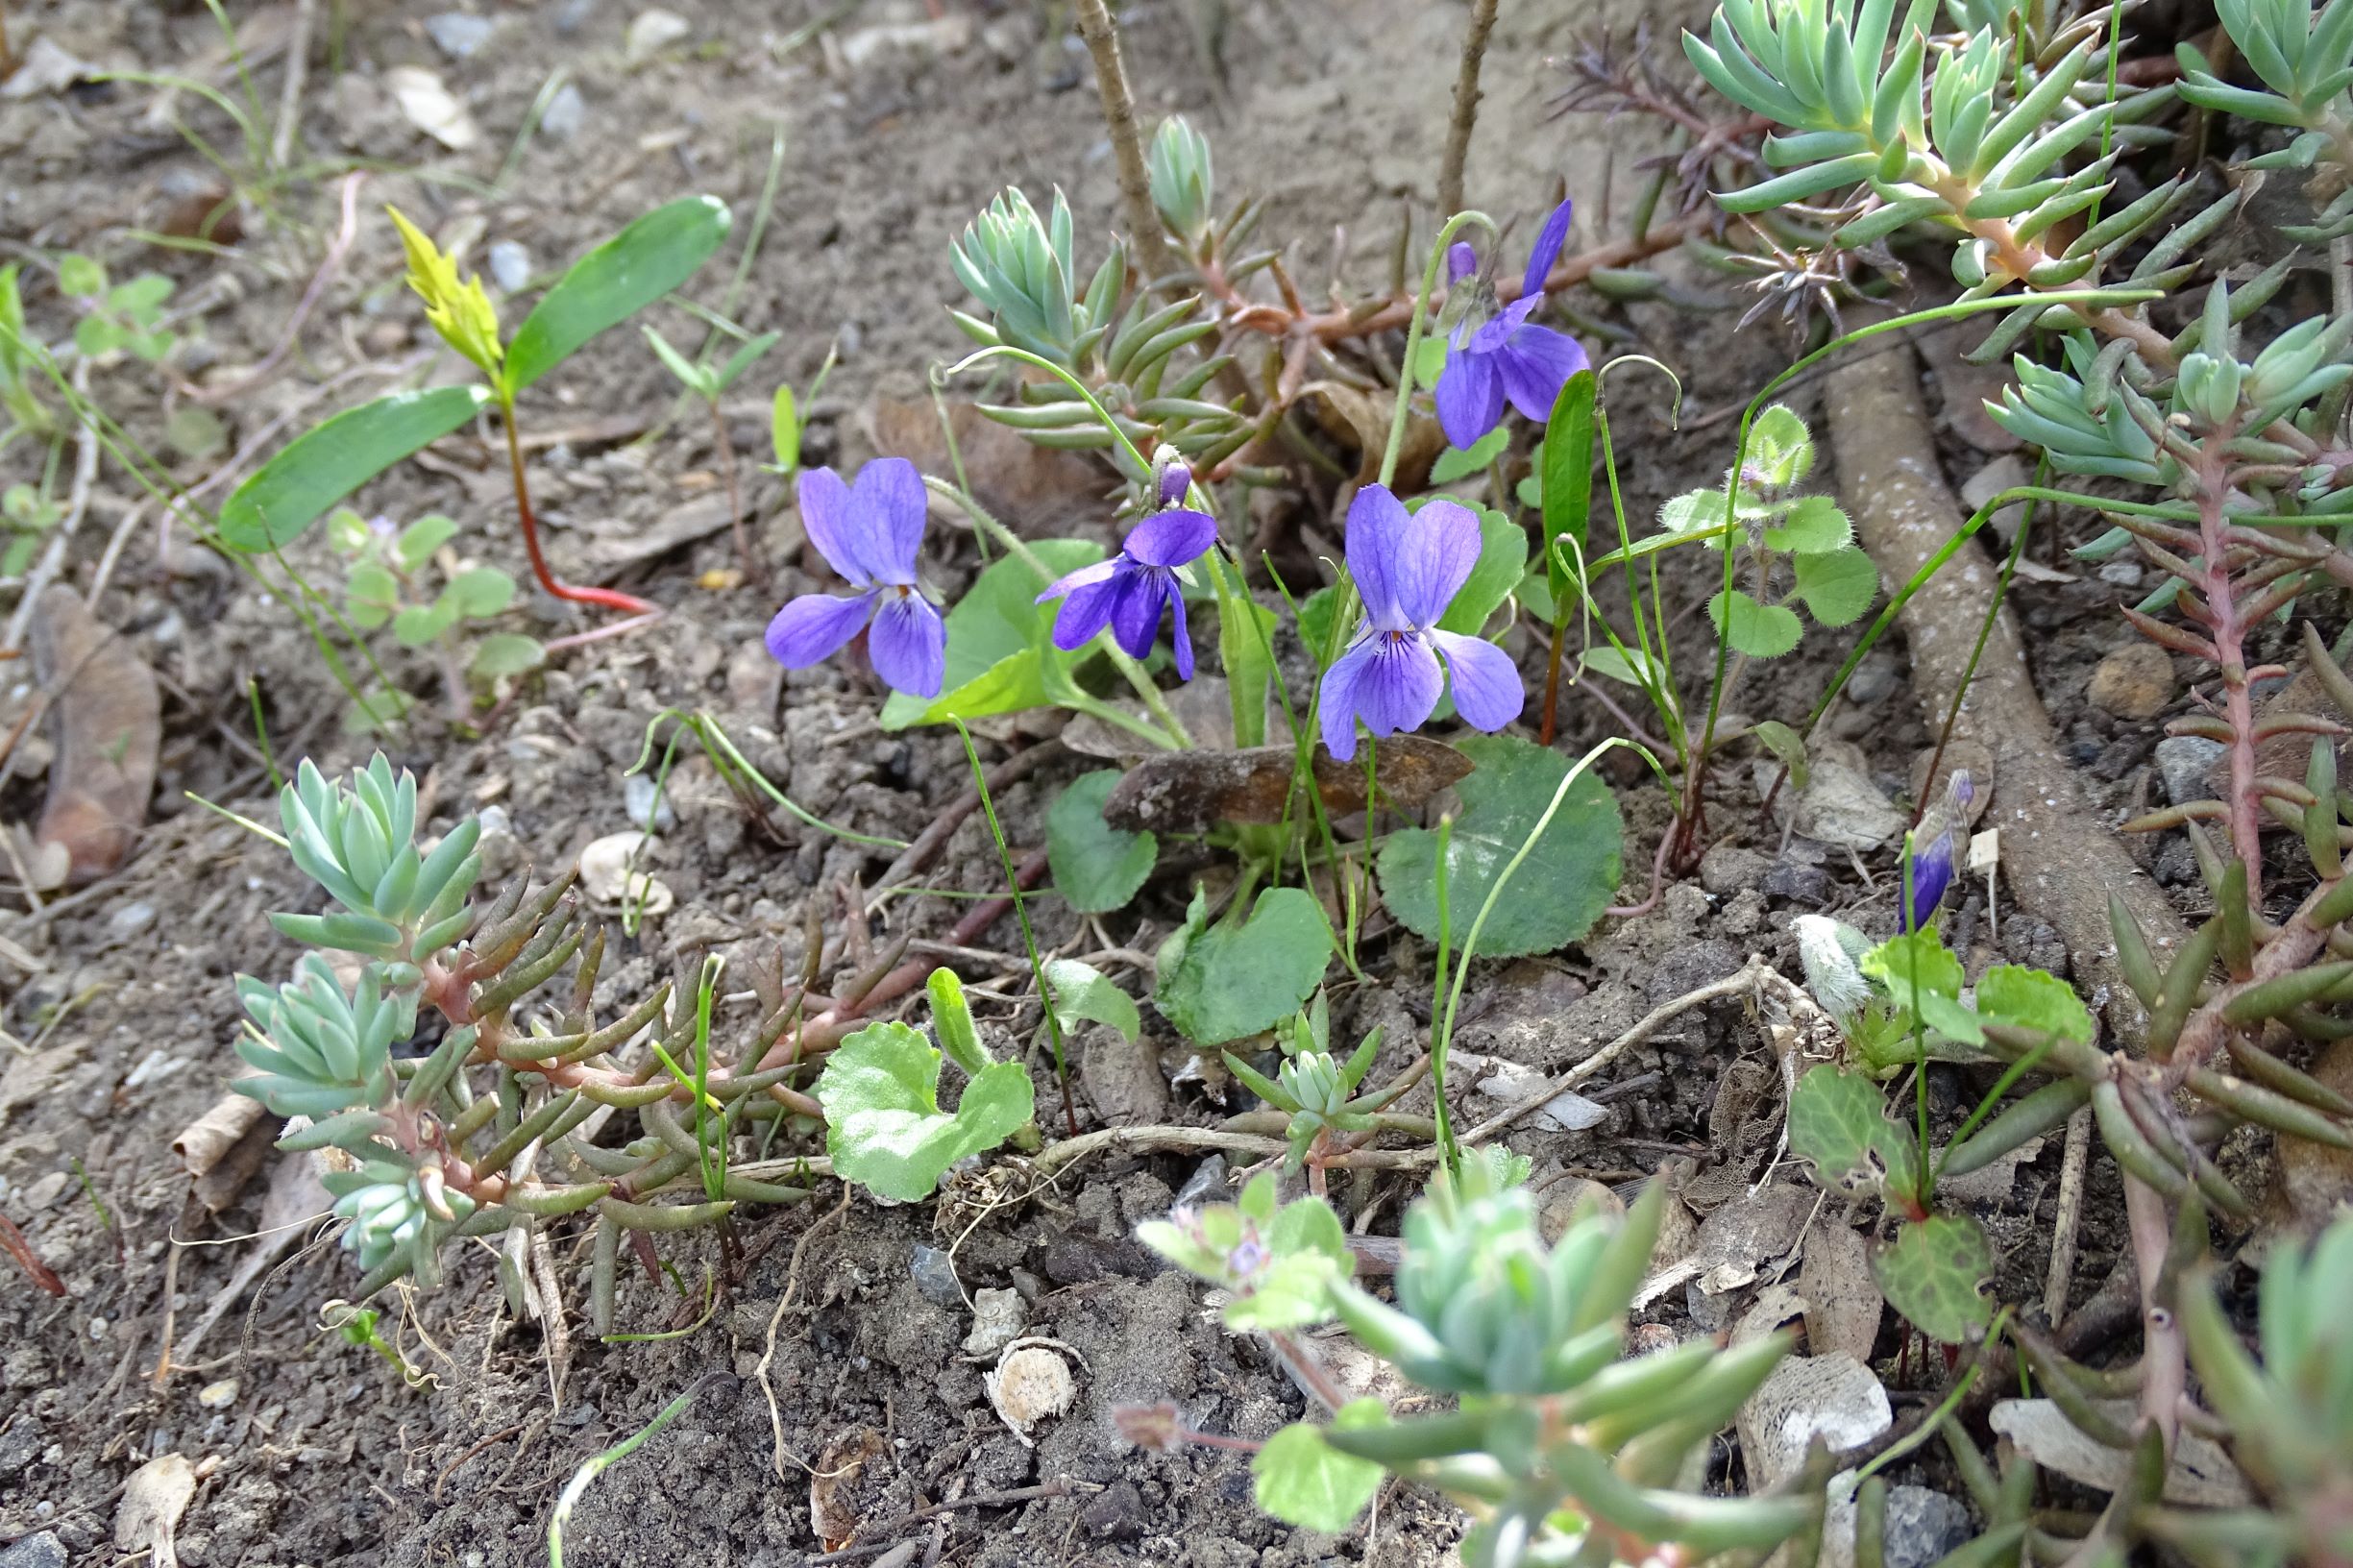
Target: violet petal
1338,698
909,644
1428,560
1400,684
1376,521
1136,608
1548,240
813,628
1180,641
1470,398
888,505
1170,538
1536,364
1087,608
1487,690
826,508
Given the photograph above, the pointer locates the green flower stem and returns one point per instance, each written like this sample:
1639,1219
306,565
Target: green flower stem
1443,1038
1415,327
597,1463
1173,727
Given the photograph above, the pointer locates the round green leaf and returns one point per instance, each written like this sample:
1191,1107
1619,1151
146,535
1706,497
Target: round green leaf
1097,868
1304,1481
479,591
293,489
884,1126
1242,978
1084,994
507,653
1560,889
1932,1273
1837,586
1761,631
614,282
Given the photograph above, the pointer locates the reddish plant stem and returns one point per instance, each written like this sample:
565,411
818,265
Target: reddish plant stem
611,598
2221,614
2165,1378
1552,681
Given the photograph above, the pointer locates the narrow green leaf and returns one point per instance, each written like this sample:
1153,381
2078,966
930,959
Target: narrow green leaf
1568,480
614,282
318,468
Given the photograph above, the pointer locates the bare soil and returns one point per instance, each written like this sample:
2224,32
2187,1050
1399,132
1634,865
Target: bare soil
896,128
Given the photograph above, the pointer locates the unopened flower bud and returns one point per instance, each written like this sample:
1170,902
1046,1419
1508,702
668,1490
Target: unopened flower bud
1172,479
1462,260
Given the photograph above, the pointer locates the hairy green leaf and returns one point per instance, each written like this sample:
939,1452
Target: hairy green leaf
1304,1481
1932,1273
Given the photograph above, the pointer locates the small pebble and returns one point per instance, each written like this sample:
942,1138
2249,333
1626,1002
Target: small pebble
565,114
648,806
997,1321
2183,762
510,266
132,919
457,34
1207,1185
1873,680
40,1550
2003,472
935,1275
2136,681
2123,573
218,1396
571,16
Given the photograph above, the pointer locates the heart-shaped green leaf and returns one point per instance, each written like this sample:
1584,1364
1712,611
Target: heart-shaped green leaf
614,282
1837,586
1932,1273
1242,978
1503,560
1097,867
318,468
1761,631
1560,889
1838,1122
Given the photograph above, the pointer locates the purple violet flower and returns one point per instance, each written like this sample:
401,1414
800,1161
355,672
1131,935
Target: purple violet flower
1508,357
869,532
1932,865
1407,567
1128,592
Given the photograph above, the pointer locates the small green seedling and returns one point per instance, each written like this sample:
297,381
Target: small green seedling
390,580
709,382
884,1127
1315,1091
29,515
124,318
357,1326
624,275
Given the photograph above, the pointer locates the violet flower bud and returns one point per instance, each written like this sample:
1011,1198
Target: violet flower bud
1462,260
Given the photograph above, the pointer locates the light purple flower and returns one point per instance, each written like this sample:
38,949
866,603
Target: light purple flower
1508,357
1932,865
1407,567
869,532
1128,592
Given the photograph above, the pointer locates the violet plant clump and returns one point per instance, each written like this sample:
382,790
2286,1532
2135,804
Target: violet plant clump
871,532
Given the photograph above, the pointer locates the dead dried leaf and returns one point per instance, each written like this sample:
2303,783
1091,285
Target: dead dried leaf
106,719
154,1498
2203,1475
1189,791
1835,1398
202,1142
429,107
1042,490
1566,1112
1843,1303
839,1464
45,67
